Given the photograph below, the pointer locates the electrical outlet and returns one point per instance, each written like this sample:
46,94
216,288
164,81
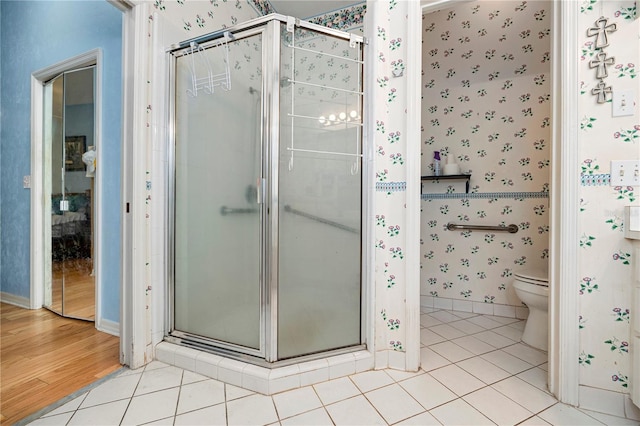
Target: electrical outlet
625,173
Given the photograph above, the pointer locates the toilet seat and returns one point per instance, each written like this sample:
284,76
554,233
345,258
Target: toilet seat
532,276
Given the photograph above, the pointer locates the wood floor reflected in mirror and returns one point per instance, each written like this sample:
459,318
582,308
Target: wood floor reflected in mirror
79,288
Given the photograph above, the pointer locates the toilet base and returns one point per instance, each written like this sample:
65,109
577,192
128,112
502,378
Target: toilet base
536,333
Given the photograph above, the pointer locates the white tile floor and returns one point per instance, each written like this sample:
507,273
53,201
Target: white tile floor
474,372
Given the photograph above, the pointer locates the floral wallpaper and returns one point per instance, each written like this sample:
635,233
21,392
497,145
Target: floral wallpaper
605,288
486,105
390,173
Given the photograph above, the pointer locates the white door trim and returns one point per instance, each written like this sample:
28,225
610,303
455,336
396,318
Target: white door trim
135,345
36,262
413,158
564,206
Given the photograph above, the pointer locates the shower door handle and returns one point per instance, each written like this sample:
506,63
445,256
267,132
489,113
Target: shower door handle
260,189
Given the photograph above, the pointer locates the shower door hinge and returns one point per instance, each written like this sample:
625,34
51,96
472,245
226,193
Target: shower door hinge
291,23
352,40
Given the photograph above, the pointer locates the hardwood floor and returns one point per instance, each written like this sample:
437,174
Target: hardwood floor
45,357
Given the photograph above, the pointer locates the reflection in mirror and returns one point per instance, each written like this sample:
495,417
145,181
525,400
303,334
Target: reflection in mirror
69,157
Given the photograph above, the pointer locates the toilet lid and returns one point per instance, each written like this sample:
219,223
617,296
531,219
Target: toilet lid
533,276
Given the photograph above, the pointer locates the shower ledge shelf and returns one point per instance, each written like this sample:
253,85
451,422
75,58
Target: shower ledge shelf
466,177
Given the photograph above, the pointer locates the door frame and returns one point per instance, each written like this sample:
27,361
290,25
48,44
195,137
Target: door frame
563,377
38,79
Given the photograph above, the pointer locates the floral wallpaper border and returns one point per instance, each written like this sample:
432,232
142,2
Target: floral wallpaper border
391,186
342,19
486,195
262,6
595,180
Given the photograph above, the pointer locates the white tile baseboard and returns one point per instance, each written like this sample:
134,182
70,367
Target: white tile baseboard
267,381
509,311
602,401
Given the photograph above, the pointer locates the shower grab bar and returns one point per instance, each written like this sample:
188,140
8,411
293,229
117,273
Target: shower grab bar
323,152
355,92
512,229
289,209
325,54
353,123
224,210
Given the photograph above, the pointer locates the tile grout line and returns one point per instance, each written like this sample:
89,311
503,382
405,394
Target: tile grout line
124,414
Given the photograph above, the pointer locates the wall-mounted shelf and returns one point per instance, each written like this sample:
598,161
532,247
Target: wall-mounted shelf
449,177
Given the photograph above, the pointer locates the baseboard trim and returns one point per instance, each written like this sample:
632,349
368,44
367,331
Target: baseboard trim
497,309
12,299
109,327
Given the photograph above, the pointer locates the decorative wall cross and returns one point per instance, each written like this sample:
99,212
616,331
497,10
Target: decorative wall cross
601,63
601,91
601,32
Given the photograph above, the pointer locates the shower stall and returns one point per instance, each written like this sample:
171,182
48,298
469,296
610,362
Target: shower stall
266,201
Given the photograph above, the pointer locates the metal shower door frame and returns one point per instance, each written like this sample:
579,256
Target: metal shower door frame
270,28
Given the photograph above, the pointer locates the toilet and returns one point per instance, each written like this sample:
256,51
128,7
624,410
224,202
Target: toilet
532,287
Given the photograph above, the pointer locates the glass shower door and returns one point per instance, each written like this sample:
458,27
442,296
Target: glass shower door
218,201
320,183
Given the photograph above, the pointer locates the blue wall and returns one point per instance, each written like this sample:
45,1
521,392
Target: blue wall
35,35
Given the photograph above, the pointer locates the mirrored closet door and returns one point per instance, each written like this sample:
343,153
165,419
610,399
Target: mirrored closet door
69,170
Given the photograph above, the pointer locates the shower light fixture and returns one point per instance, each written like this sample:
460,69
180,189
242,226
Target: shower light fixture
341,118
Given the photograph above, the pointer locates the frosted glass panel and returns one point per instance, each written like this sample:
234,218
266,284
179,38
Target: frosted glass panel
217,218
319,196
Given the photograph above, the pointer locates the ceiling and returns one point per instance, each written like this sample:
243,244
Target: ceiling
309,8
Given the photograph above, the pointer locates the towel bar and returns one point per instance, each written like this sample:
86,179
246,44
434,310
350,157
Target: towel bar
512,229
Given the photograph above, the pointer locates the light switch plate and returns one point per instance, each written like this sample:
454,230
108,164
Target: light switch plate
26,181
623,103
625,173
